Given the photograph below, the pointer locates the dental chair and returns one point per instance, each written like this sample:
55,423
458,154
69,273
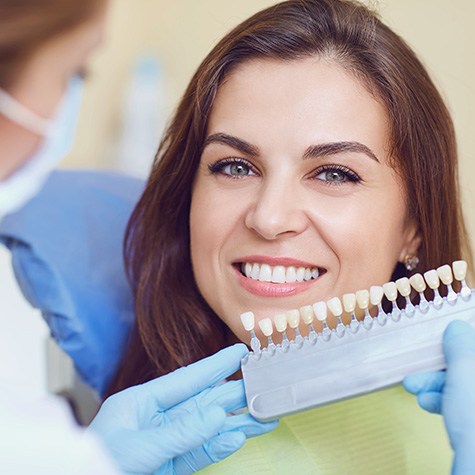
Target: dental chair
66,247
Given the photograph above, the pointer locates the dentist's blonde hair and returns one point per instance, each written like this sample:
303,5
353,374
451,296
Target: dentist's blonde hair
175,326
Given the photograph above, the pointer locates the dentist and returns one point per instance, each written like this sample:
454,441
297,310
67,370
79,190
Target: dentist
175,424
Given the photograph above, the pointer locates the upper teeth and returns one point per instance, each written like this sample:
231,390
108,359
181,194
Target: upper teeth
279,274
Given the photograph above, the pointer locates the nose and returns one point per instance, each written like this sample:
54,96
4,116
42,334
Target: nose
277,210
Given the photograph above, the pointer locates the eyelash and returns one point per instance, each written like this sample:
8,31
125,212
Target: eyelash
220,165
349,175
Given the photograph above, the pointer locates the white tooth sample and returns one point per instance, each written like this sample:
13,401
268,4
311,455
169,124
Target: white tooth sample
390,290
248,269
445,274
432,279
404,286
255,271
293,318
265,274
320,310
349,302
278,275
376,293
308,274
266,326
248,321
300,274
362,299
307,314
315,273
460,270
418,282
280,322
335,307
291,274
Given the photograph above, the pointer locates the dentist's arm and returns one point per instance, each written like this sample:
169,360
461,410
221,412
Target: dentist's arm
178,423
452,393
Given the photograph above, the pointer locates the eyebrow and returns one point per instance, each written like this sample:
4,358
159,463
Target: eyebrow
234,142
333,148
314,151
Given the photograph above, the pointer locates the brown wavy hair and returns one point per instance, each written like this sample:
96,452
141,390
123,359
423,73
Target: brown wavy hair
25,25
175,326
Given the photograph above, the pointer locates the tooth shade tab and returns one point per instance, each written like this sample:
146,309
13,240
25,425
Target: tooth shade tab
404,286
432,279
320,310
390,290
418,282
335,307
307,315
376,293
280,322
349,302
445,274
248,321
362,298
293,318
266,326
460,270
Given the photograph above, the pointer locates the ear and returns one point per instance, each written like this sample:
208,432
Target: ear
412,241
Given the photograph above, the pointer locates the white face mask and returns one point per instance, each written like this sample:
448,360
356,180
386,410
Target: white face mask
59,133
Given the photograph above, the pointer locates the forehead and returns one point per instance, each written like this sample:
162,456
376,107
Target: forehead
305,100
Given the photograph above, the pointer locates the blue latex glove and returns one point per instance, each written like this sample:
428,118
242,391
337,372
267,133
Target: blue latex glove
452,393
178,424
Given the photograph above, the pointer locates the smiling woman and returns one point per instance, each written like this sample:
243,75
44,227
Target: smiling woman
309,157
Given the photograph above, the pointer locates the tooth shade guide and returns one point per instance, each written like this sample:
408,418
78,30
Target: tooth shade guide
347,358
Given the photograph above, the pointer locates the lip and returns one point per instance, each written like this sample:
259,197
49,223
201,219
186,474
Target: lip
269,289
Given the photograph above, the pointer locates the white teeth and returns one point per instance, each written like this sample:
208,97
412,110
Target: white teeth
265,274
293,318
390,290
266,326
307,314
432,278
445,274
460,270
362,297
255,272
320,310
300,274
248,321
279,274
376,293
404,286
280,322
291,275
418,282
349,302
334,305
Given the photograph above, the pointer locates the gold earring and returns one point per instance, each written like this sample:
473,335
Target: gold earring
410,262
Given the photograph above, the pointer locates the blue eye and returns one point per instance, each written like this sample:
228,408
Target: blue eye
336,175
232,167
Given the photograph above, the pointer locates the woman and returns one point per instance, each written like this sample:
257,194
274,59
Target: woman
174,424
311,138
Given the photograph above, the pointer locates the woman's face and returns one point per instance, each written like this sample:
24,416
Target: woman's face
294,182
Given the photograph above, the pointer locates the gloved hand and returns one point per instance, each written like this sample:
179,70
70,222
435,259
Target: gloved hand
177,424
452,393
